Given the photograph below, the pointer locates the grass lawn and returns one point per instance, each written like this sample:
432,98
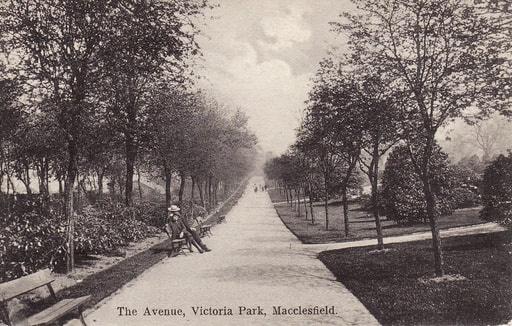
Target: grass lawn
389,285
361,224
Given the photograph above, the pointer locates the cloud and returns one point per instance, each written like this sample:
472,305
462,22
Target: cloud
260,56
286,30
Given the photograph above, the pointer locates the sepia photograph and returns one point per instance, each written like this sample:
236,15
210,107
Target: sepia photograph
255,162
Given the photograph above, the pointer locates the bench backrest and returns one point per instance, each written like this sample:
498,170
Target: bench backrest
14,288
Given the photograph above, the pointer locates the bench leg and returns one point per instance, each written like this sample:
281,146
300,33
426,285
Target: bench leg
82,319
178,249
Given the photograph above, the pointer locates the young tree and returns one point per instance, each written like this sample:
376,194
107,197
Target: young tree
334,94
60,42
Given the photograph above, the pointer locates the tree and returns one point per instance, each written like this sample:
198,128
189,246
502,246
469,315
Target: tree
10,118
316,139
491,136
333,95
378,106
171,117
442,54
61,41
149,38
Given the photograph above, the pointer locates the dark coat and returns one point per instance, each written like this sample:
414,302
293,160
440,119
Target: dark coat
176,227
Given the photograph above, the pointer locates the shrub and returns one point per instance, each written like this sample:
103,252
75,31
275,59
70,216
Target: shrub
153,214
402,189
464,198
497,191
367,205
32,240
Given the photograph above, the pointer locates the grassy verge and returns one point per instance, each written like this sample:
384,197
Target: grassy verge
389,284
361,223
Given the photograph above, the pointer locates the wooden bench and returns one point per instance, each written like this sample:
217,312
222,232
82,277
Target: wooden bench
178,246
205,229
12,289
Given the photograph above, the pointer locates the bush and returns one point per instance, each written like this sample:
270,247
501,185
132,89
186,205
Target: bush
366,203
497,191
403,190
464,198
153,214
32,240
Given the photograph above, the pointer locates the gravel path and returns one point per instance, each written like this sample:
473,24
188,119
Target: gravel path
256,266
452,232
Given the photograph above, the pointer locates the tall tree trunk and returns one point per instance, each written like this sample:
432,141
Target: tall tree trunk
27,173
286,194
345,210
47,178
291,197
193,189
305,203
168,179
210,192
68,202
326,202
311,204
139,184
436,238
201,193
42,175
346,180
122,187
215,189
61,187
8,186
430,199
374,180
100,183
297,194
182,188
131,156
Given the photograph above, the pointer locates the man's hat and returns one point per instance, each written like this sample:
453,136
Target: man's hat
173,208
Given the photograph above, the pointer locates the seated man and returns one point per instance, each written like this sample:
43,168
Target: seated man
179,228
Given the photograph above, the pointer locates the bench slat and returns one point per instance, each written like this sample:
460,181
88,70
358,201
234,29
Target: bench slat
56,311
14,288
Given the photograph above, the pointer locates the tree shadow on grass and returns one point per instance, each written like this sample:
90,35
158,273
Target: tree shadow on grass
83,261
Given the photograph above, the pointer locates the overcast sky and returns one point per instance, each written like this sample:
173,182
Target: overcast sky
260,55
